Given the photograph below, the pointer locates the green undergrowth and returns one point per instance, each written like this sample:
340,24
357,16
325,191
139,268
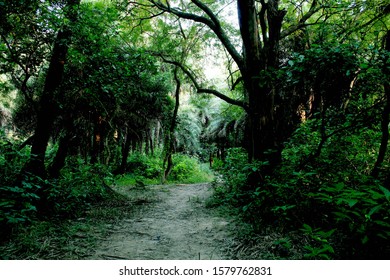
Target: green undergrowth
329,207
147,170
65,218
75,237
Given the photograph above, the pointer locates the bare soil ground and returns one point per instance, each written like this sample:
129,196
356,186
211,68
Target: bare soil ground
171,223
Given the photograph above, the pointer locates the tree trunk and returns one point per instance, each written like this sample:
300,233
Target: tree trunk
147,143
125,153
260,60
98,141
385,120
151,144
59,159
48,108
170,144
157,135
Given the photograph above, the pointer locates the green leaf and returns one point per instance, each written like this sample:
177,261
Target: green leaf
307,227
327,234
374,210
339,186
351,202
7,203
386,192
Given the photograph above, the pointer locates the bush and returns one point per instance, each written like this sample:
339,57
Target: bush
238,178
188,169
18,196
80,185
334,193
148,169
144,166
342,211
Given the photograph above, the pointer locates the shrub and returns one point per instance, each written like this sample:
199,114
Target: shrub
144,166
188,169
18,196
80,185
330,198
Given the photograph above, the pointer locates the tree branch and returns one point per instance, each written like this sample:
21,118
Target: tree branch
200,89
239,80
263,25
302,22
212,22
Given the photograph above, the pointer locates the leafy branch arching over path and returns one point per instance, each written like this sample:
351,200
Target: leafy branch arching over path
176,226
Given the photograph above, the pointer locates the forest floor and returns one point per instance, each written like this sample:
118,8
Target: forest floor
171,223
160,222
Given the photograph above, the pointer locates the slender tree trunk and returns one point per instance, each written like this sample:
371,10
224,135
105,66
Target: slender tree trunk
170,137
140,144
151,144
97,141
147,143
125,153
108,153
157,133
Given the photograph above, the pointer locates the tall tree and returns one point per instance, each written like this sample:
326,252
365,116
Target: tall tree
262,26
170,139
47,105
386,112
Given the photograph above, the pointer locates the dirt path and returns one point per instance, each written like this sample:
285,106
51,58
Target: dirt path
177,226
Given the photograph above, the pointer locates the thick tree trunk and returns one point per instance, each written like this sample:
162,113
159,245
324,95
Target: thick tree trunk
47,110
385,121
47,106
260,59
59,159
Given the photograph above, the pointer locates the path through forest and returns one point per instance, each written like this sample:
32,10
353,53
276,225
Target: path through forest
176,226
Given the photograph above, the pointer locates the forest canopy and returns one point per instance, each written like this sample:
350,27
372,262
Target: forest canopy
288,101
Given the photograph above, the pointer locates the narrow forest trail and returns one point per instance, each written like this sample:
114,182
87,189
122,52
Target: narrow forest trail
176,226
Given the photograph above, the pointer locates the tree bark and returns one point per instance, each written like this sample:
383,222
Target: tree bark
260,60
385,120
59,159
48,106
125,153
170,144
98,140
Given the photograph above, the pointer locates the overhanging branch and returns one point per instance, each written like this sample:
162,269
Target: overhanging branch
200,89
314,8
211,21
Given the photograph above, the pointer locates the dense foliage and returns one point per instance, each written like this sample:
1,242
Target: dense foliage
325,186
290,105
